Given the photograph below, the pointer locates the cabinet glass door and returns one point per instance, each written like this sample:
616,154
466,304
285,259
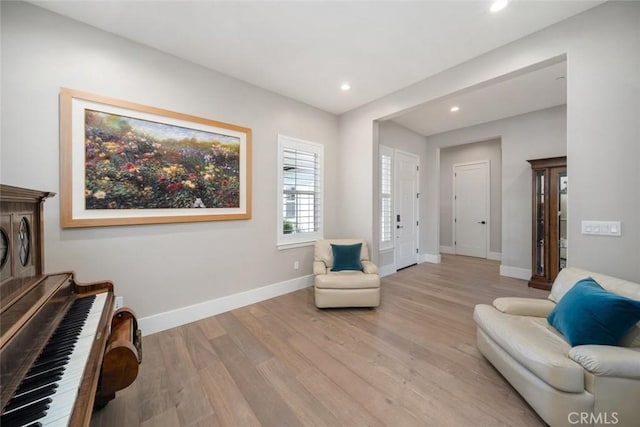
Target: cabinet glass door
539,223
562,220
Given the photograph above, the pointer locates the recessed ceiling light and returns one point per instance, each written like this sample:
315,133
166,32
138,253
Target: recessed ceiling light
345,87
454,109
498,5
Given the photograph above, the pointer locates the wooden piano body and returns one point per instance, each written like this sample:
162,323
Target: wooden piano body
33,306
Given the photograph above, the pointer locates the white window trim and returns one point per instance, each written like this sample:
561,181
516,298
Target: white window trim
285,241
386,151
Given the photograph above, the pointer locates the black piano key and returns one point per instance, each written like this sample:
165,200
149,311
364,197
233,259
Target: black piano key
71,322
24,418
61,359
32,396
26,414
71,327
59,345
30,402
44,372
24,390
46,365
39,382
58,350
67,332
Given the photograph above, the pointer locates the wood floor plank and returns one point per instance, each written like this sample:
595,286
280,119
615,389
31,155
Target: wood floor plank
200,351
229,405
155,396
251,347
167,418
211,327
376,402
303,404
273,335
186,392
412,361
347,410
270,409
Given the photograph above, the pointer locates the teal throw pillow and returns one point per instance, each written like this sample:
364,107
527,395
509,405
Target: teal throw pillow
346,257
588,314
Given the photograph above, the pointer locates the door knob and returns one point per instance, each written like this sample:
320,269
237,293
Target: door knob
399,226
482,222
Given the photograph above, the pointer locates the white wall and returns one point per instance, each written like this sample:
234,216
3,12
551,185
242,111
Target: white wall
529,136
155,267
400,138
477,151
601,47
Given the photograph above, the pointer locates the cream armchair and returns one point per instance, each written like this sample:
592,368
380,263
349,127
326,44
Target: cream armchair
350,288
589,384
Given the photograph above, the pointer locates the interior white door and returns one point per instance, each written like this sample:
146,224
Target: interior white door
471,208
406,209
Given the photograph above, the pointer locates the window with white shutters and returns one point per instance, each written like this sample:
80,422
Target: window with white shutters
386,198
300,179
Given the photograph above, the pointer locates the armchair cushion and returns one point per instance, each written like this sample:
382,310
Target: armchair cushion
588,314
319,267
524,306
369,268
346,257
608,360
347,279
533,344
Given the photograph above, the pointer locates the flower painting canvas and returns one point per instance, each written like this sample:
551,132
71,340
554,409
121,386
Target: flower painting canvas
125,163
138,164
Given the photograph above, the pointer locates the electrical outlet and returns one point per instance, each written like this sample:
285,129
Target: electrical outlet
119,302
296,265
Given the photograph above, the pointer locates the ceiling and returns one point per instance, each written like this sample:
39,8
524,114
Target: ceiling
531,91
305,50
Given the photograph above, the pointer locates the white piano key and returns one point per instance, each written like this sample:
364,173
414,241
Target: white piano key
63,400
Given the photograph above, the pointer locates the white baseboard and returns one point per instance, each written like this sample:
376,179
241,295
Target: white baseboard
447,250
516,272
496,256
386,270
432,258
181,316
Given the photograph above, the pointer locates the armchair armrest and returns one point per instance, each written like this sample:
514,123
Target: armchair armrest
534,307
319,267
369,268
608,360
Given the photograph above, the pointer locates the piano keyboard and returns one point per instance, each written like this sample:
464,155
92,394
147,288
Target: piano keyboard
47,394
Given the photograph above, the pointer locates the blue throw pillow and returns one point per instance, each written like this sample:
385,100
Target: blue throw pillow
588,314
346,257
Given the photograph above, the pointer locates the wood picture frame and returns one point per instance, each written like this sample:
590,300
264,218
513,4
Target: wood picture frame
123,163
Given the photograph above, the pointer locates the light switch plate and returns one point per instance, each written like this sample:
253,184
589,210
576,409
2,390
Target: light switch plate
601,228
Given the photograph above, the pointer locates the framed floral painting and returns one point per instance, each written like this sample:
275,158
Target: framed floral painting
125,163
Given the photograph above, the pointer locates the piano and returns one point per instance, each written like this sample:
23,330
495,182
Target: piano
56,334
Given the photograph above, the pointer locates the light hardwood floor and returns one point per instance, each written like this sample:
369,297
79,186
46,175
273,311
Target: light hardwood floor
411,362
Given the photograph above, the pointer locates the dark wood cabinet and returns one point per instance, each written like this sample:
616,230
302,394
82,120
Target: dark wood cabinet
549,220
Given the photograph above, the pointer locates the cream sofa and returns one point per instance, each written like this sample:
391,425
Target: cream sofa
344,288
582,385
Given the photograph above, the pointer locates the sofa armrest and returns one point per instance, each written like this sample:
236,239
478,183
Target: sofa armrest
608,360
319,267
369,268
534,307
